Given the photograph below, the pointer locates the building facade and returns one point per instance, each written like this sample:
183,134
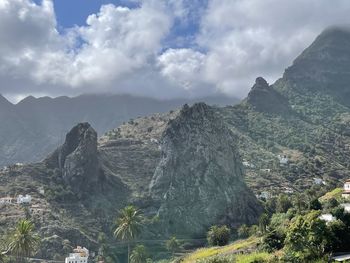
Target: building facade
79,255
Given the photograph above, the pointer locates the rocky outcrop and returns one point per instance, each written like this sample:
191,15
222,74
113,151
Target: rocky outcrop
324,65
77,158
263,97
199,180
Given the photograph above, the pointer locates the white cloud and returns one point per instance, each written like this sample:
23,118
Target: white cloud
116,42
122,49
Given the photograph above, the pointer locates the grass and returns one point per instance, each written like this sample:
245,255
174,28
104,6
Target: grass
225,250
336,193
253,257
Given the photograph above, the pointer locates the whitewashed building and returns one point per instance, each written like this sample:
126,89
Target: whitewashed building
27,199
346,189
264,195
6,200
319,181
327,218
248,164
79,255
283,159
346,207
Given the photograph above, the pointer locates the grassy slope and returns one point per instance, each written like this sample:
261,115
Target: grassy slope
233,248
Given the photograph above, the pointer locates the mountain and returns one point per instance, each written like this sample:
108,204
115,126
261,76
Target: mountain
34,127
184,167
170,165
304,116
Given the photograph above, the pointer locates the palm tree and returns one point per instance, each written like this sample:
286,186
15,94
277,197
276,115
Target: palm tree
139,254
263,223
23,240
129,225
172,245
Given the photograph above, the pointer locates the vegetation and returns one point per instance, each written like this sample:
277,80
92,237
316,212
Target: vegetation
23,242
218,235
139,254
129,225
172,245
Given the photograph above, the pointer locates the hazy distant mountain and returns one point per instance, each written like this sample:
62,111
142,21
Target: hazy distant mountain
34,127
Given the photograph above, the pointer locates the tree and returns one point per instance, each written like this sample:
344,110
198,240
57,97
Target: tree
283,203
172,245
139,254
273,240
129,224
307,237
243,231
339,237
23,240
263,223
218,235
315,204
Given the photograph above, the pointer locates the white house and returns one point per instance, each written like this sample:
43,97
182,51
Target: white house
319,181
153,140
346,207
6,200
327,217
248,164
346,191
27,199
79,255
265,195
283,159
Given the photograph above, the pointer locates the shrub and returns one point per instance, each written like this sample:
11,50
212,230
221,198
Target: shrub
243,231
218,235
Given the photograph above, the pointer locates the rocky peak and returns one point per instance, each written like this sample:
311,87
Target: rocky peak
199,179
4,103
77,157
324,65
260,82
264,98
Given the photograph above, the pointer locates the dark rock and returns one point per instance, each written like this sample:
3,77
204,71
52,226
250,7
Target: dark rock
265,98
77,158
199,180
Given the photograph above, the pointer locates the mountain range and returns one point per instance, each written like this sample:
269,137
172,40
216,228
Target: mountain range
34,127
198,165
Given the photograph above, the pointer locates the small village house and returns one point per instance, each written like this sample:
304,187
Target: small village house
327,218
27,199
79,255
6,200
283,159
346,189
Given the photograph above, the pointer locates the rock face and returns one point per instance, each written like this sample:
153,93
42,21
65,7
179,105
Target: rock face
264,98
324,66
77,158
199,180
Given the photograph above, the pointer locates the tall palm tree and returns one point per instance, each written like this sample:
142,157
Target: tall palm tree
139,254
129,225
23,240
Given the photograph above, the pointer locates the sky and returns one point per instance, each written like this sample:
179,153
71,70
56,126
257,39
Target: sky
155,48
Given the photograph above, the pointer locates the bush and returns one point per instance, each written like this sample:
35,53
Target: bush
243,231
218,235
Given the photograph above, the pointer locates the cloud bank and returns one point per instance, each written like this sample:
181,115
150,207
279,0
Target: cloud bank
163,49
